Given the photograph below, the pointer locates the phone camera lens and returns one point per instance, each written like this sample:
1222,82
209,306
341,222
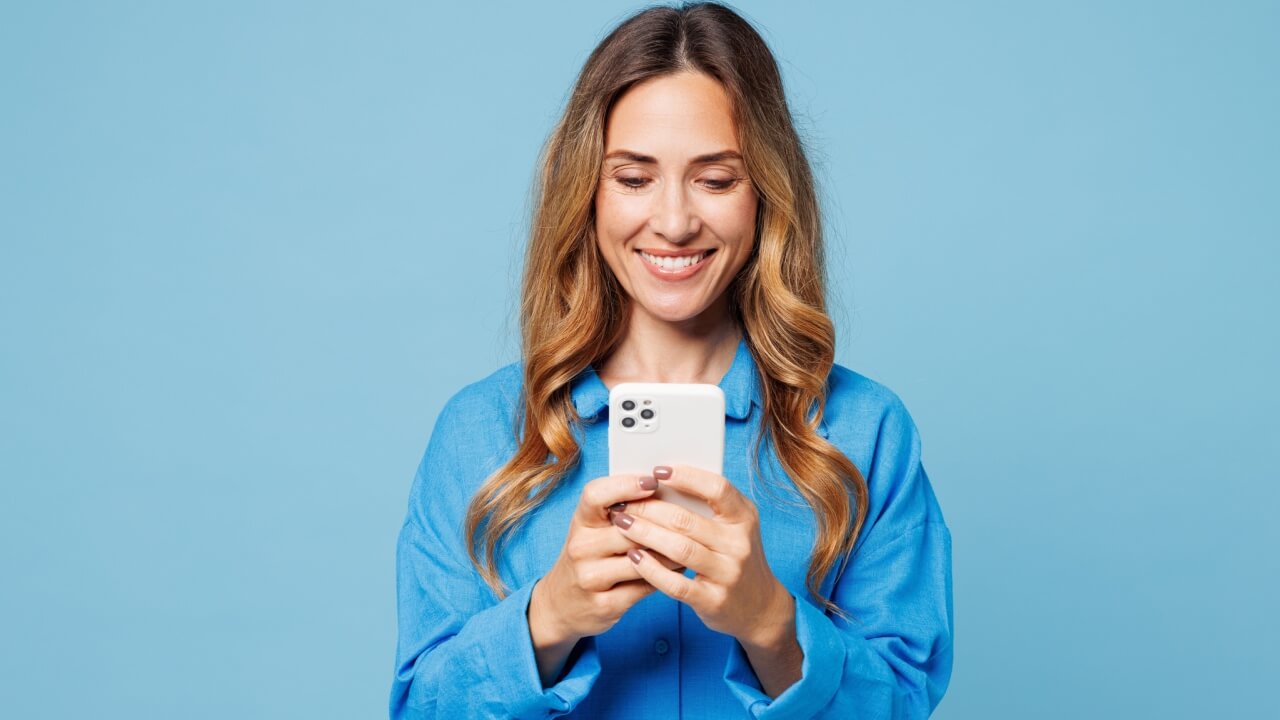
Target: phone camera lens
647,414
628,422
628,405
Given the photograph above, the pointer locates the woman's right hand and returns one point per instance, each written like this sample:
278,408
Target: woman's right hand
592,583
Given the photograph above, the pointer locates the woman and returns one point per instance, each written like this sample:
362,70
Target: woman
676,239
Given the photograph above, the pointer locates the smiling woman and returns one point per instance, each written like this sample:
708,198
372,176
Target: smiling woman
676,239
674,200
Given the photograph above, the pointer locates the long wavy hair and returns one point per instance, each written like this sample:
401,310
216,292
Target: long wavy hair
574,312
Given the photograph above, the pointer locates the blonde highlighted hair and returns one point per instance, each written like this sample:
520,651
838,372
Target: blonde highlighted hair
574,312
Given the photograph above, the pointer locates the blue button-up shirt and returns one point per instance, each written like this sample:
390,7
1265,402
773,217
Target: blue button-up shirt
462,653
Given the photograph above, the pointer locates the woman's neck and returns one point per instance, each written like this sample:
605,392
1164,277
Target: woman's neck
652,350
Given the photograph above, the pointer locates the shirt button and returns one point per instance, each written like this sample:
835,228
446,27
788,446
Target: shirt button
661,647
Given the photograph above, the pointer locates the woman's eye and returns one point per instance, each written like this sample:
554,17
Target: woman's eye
633,183
639,183
720,184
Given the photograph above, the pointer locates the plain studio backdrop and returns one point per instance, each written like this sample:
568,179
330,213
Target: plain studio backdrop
249,250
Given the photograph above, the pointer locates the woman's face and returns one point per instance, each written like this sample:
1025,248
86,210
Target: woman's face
675,211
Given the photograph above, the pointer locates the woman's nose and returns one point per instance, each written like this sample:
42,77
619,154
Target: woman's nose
674,218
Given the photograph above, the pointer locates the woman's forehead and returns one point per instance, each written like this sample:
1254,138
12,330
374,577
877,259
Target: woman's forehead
673,117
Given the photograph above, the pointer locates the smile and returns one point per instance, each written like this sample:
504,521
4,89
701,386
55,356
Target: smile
675,267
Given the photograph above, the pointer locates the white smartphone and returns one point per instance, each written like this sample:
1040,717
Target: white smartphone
654,424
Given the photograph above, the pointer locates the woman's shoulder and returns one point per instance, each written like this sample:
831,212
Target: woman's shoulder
478,405
473,435
852,396
864,415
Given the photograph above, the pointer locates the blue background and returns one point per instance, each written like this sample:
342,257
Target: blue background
249,249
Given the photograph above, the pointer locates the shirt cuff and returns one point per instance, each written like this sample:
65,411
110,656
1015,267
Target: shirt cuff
823,648
506,648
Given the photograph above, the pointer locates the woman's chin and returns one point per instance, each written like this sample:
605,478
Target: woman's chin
674,312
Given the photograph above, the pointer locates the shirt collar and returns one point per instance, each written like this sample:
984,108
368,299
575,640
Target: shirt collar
741,386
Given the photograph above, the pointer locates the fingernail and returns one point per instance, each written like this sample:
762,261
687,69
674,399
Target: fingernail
662,472
623,521
618,507
648,483
634,554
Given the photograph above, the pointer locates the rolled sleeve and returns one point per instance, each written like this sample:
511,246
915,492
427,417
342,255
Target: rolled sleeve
893,660
496,643
506,647
822,648
482,667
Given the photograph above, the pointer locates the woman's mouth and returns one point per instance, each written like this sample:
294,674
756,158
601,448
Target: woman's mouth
675,267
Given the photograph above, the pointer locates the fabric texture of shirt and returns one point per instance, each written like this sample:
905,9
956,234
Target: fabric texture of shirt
462,653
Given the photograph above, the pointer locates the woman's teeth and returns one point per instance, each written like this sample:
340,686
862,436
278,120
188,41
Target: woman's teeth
673,263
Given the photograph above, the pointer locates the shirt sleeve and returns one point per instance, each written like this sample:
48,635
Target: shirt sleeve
893,658
460,652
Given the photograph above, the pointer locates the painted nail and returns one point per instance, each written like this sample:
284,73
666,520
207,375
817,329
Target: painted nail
623,521
648,483
618,507
662,472
634,554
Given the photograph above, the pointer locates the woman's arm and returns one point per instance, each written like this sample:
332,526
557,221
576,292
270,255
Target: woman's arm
774,652
460,652
550,644
894,658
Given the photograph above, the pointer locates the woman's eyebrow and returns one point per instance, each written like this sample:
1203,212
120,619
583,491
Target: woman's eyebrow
707,158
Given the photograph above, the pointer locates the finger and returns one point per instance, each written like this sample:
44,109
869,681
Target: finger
588,544
591,544
723,497
603,574
682,549
602,492
667,562
672,584
680,520
626,594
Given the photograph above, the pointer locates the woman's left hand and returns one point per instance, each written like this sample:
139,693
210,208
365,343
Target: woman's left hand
734,592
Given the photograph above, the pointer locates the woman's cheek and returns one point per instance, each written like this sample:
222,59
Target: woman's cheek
734,221
624,216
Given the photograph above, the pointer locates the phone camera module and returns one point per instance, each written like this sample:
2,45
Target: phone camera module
628,422
647,414
628,405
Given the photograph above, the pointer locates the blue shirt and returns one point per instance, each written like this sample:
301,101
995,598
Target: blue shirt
462,653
